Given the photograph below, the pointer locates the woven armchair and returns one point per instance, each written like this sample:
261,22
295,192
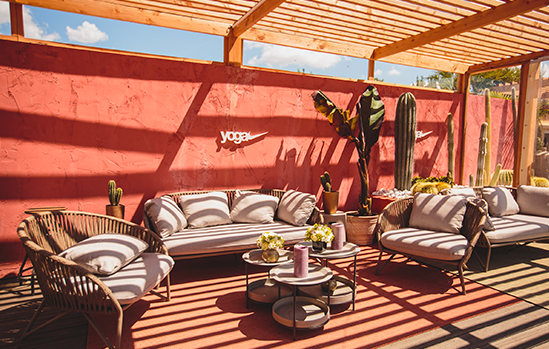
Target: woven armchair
397,216
67,285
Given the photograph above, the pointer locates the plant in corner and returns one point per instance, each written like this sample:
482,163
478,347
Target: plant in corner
115,194
362,130
330,198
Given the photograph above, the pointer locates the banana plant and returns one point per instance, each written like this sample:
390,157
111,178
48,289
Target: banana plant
362,129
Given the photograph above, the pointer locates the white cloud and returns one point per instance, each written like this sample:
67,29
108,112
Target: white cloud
87,33
33,29
394,71
279,57
4,12
378,72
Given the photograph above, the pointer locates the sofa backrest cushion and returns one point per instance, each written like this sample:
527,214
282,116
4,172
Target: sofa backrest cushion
105,254
467,192
205,210
470,195
533,200
438,212
165,216
500,201
252,207
296,207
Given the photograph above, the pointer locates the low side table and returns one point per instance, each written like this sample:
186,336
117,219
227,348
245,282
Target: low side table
264,290
338,217
301,312
345,291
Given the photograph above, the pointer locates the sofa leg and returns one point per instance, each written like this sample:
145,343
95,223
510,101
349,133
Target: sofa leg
462,280
379,266
488,254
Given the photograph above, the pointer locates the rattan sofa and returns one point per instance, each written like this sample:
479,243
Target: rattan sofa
228,238
426,245
71,287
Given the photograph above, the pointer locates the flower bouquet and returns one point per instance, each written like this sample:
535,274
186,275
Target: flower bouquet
270,243
320,235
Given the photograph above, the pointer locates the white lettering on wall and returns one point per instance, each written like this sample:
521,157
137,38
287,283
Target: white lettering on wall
238,137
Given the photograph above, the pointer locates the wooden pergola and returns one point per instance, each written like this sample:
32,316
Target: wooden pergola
463,37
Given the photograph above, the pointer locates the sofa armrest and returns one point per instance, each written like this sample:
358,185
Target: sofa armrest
394,216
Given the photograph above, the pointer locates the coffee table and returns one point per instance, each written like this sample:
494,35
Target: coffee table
264,290
345,291
300,312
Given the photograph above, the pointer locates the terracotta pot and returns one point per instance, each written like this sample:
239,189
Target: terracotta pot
330,200
380,202
360,229
115,211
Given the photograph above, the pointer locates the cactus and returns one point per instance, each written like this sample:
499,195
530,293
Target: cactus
405,139
505,177
451,151
495,176
425,187
442,186
114,194
488,120
540,182
471,181
481,155
515,114
326,181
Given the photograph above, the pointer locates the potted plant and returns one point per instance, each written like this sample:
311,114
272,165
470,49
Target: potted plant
115,209
319,235
330,198
362,130
270,243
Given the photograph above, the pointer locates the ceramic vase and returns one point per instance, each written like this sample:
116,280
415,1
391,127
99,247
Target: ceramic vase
270,255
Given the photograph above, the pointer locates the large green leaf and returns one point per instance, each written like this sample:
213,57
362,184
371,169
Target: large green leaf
340,119
371,111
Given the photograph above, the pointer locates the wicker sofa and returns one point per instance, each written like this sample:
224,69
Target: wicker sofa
430,227
224,229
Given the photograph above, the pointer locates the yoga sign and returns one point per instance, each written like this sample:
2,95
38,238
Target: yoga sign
238,137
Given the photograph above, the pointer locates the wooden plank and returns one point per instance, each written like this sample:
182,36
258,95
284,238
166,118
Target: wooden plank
509,62
16,19
478,20
528,102
103,9
260,10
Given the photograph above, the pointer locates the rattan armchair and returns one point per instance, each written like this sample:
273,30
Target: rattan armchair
397,216
67,285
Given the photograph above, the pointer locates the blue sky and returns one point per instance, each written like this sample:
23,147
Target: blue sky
99,32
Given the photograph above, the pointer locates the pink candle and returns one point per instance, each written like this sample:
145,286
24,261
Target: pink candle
301,261
339,236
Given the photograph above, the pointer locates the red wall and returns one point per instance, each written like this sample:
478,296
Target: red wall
74,119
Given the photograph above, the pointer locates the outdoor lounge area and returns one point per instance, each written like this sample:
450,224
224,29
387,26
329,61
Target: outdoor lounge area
136,186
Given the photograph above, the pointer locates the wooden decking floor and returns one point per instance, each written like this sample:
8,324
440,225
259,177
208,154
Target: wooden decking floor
17,306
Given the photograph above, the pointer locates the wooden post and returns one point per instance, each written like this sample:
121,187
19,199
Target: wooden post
232,50
527,123
371,69
16,18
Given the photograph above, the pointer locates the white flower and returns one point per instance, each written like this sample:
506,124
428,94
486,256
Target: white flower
269,240
319,232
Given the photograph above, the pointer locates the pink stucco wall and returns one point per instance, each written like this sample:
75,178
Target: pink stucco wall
74,119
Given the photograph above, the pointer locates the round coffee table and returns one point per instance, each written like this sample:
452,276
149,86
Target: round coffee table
301,312
264,290
345,291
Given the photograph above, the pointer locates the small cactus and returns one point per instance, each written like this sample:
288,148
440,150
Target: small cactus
495,176
451,151
481,155
114,194
326,181
505,177
540,182
425,187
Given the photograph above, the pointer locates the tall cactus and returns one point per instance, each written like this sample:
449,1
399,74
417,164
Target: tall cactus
114,194
405,139
488,120
482,141
451,151
515,113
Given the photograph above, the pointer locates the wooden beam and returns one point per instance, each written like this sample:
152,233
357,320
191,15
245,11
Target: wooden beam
463,88
260,10
232,51
371,69
351,50
499,13
527,123
16,18
110,10
508,62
